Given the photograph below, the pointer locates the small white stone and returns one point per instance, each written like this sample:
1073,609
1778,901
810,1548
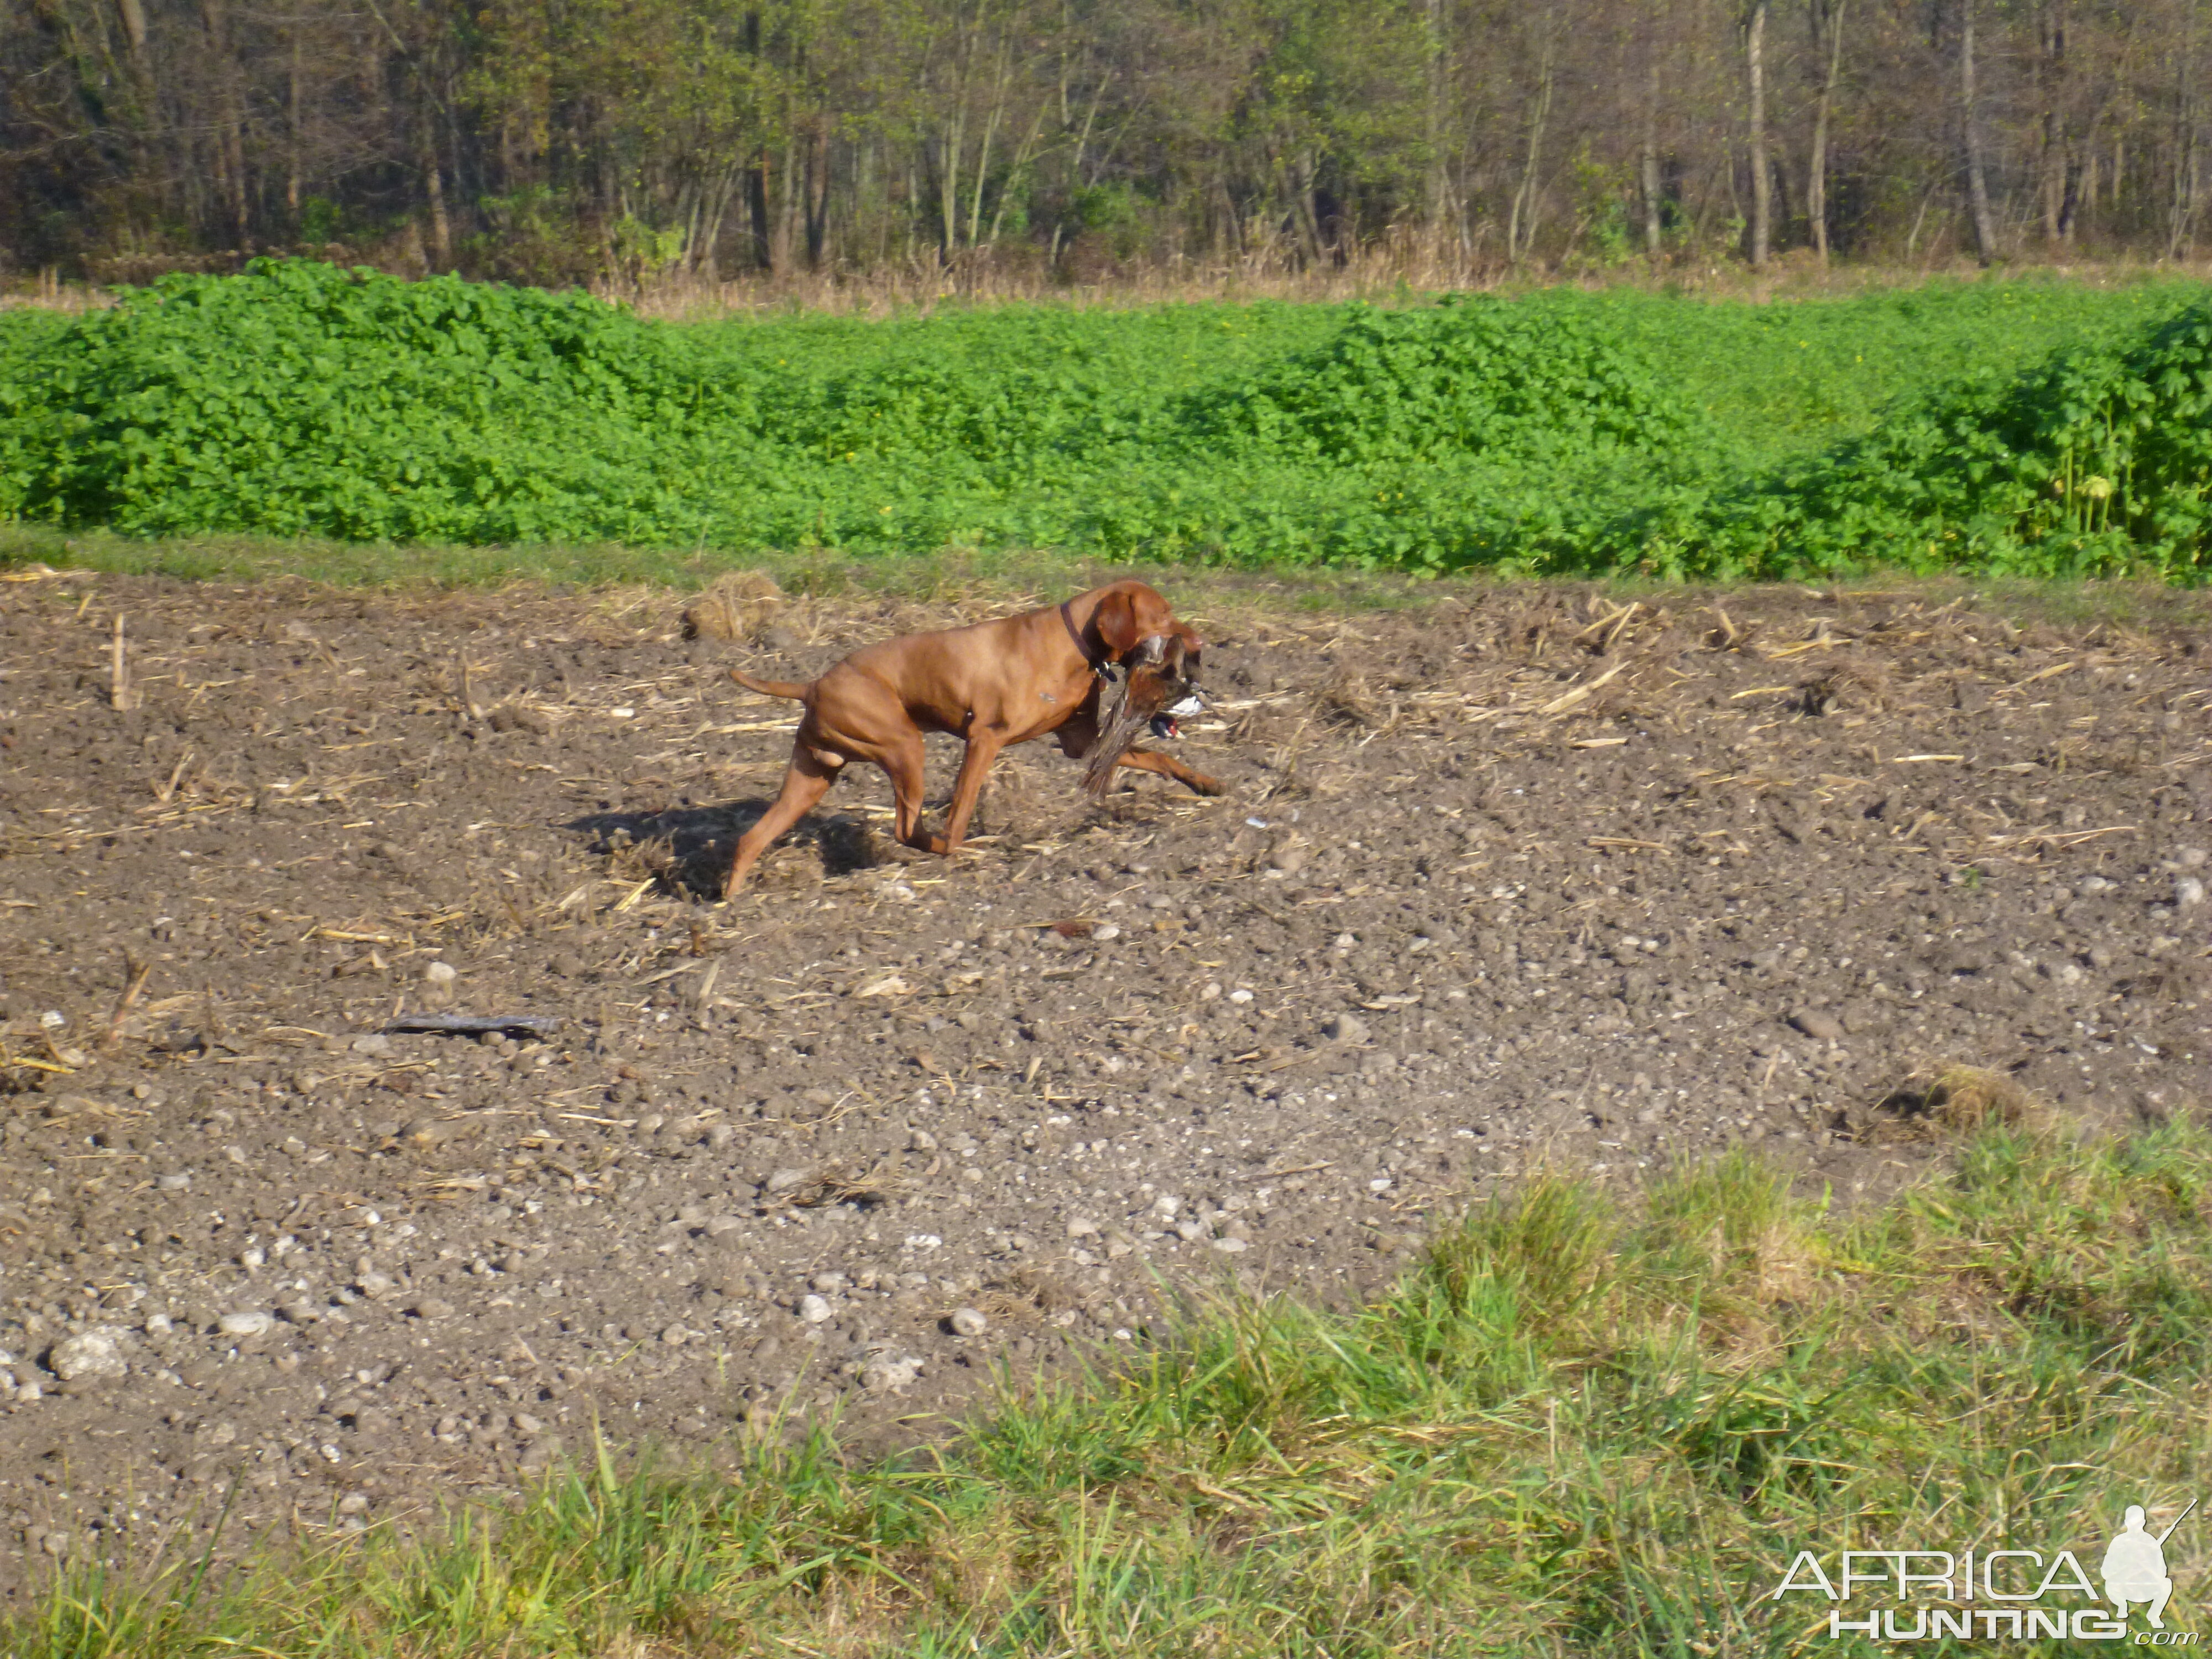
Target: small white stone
890,1374
441,973
1081,1227
967,1321
1240,997
95,1354
1106,933
1345,1027
252,1323
2188,892
1231,1246
814,1309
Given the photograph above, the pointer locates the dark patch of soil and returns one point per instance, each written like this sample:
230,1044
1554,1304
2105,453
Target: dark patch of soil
1524,877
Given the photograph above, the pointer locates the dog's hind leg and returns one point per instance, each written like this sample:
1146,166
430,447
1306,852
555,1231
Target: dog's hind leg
904,764
812,771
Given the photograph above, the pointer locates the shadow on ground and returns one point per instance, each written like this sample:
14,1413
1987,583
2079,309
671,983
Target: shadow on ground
689,848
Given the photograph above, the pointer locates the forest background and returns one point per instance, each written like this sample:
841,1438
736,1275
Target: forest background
661,145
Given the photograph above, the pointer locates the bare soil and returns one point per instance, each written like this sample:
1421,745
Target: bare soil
1527,874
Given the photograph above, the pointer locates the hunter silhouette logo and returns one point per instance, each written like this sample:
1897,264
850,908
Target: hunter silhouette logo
1996,1595
2134,1566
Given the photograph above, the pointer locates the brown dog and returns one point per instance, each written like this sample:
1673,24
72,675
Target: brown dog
992,684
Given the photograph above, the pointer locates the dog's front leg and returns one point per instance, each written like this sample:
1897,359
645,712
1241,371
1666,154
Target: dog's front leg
1150,760
983,746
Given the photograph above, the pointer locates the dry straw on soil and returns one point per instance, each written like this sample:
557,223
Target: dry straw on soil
737,607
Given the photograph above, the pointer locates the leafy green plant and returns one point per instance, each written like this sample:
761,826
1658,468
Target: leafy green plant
2027,427
299,399
2095,461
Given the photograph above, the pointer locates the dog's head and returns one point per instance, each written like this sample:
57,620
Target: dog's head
1135,628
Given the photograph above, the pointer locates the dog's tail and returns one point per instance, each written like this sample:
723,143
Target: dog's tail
794,689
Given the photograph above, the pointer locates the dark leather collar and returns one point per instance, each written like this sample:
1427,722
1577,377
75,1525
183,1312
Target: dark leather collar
1096,665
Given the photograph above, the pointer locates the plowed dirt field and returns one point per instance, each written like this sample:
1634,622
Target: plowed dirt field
1522,874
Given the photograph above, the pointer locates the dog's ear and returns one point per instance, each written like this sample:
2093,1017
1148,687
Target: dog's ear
1116,623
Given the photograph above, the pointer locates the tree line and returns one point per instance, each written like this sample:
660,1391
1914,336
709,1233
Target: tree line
561,141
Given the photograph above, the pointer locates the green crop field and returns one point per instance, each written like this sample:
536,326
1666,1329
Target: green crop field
2031,428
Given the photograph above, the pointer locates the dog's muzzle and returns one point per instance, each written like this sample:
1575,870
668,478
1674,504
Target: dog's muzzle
1164,723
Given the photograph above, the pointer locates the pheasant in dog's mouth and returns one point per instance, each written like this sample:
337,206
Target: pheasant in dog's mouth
1159,691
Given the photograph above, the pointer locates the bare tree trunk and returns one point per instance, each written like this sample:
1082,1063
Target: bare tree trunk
434,189
1439,184
1648,159
790,191
1302,205
230,145
2181,219
1970,141
956,140
132,16
1828,30
2057,149
983,164
756,210
818,201
1762,186
1521,223
292,132
1023,153
716,199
